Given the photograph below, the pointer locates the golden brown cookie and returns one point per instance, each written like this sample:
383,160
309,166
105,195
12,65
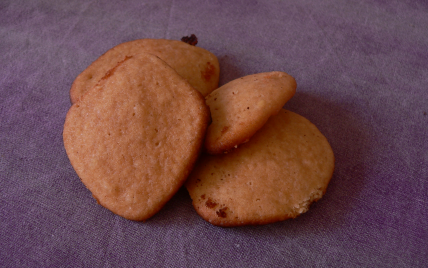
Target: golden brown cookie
285,167
197,65
134,137
241,107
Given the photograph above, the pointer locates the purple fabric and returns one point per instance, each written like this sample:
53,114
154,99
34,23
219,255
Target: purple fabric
362,74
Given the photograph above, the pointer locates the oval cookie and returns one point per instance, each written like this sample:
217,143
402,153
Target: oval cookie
285,167
134,137
241,107
197,65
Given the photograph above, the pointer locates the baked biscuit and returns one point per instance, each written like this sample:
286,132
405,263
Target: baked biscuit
241,107
134,137
197,65
285,167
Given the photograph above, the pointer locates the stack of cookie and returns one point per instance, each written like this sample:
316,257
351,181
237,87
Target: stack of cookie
141,117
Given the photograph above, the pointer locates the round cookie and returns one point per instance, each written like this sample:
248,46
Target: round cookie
285,167
197,65
134,137
242,106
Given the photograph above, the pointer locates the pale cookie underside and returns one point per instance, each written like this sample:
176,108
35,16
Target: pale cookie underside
241,107
197,65
285,167
134,137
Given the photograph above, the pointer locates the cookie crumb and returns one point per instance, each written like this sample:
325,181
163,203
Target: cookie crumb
191,40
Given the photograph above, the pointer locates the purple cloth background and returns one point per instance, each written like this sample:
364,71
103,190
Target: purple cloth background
362,74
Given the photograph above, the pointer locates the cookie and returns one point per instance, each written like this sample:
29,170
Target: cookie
197,65
242,106
134,137
285,167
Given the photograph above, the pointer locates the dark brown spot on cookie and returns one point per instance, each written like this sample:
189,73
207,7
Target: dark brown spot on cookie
208,72
203,196
222,212
96,199
191,40
210,204
226,128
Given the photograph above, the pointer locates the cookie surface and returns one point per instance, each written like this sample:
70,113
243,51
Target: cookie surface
285,167
197,65
134,137
242,106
